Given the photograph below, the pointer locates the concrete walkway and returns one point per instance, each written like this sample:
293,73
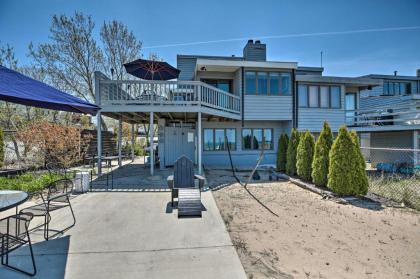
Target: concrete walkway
134,235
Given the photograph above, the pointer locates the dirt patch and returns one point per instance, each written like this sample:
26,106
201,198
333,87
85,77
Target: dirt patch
316,238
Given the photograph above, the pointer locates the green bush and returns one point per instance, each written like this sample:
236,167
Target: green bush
28,182
343,166
282,153
138,149
1,148
305,155
360,180
291,152
321,156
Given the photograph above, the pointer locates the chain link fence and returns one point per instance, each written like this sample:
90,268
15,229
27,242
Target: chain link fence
394,174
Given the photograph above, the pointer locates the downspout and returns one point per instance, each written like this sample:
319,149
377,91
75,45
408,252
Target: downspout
294,100
242,96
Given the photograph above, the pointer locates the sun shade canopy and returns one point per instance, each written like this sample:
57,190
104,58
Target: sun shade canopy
20,89
151,70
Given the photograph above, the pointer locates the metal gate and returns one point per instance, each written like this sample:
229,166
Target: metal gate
179,141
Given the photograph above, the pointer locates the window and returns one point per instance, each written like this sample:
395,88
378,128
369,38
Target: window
303,96
262,83
335,97
268,139
231,138
313,96
251,84
285,84
246,139
274,83
219,139
222,84
252,139
267,83
324,97
396,88
215,139
208,139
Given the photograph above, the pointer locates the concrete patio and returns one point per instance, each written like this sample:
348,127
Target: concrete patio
133,235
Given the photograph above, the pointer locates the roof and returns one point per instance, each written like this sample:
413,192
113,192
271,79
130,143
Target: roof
377,76
352,81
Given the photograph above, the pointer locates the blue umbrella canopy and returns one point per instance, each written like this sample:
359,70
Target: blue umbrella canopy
151,70
20,89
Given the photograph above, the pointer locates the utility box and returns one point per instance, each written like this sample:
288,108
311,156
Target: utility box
81,182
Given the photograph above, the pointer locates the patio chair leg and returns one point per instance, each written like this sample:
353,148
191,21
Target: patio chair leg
72,213
48,220
47,225
33,273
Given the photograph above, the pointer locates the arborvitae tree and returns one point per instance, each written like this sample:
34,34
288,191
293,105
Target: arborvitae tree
282,153
1,148
291,153
343,166
305,155
321,156
360,180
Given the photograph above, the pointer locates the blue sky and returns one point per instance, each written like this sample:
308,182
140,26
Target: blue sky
158,23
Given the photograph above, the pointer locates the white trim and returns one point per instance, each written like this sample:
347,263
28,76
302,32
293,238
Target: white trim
231,65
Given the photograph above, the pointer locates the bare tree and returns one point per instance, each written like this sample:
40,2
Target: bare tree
72,56
8,115
120,46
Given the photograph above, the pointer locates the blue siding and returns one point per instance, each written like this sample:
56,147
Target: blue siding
244,158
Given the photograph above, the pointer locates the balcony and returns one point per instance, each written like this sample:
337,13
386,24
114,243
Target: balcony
166,96
386,117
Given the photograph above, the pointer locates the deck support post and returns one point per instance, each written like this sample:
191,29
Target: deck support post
416,153
119,142
99,141
200,168
152,152
133,141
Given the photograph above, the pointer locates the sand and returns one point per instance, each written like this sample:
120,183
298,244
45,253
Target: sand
314,237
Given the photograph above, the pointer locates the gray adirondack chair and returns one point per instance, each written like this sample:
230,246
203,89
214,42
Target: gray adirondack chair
183,186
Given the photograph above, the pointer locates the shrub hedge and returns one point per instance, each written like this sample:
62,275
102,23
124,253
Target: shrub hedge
304,157
291,152
282,152
343,167
321,159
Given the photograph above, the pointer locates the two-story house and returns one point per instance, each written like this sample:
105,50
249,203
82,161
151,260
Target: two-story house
389,117
221,101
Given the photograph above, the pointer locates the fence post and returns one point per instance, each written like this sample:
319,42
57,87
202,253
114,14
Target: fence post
416,147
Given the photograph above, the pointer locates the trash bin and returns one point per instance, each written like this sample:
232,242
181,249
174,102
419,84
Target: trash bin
81,181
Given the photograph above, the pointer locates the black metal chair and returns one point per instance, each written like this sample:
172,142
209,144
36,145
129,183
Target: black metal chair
14,233
56,196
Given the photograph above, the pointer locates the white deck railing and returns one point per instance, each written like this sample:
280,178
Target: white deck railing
165,93
385,116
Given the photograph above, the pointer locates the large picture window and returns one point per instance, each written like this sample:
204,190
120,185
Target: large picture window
396,88
252,139
250,82
267,83
303,96
215,139
315,96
